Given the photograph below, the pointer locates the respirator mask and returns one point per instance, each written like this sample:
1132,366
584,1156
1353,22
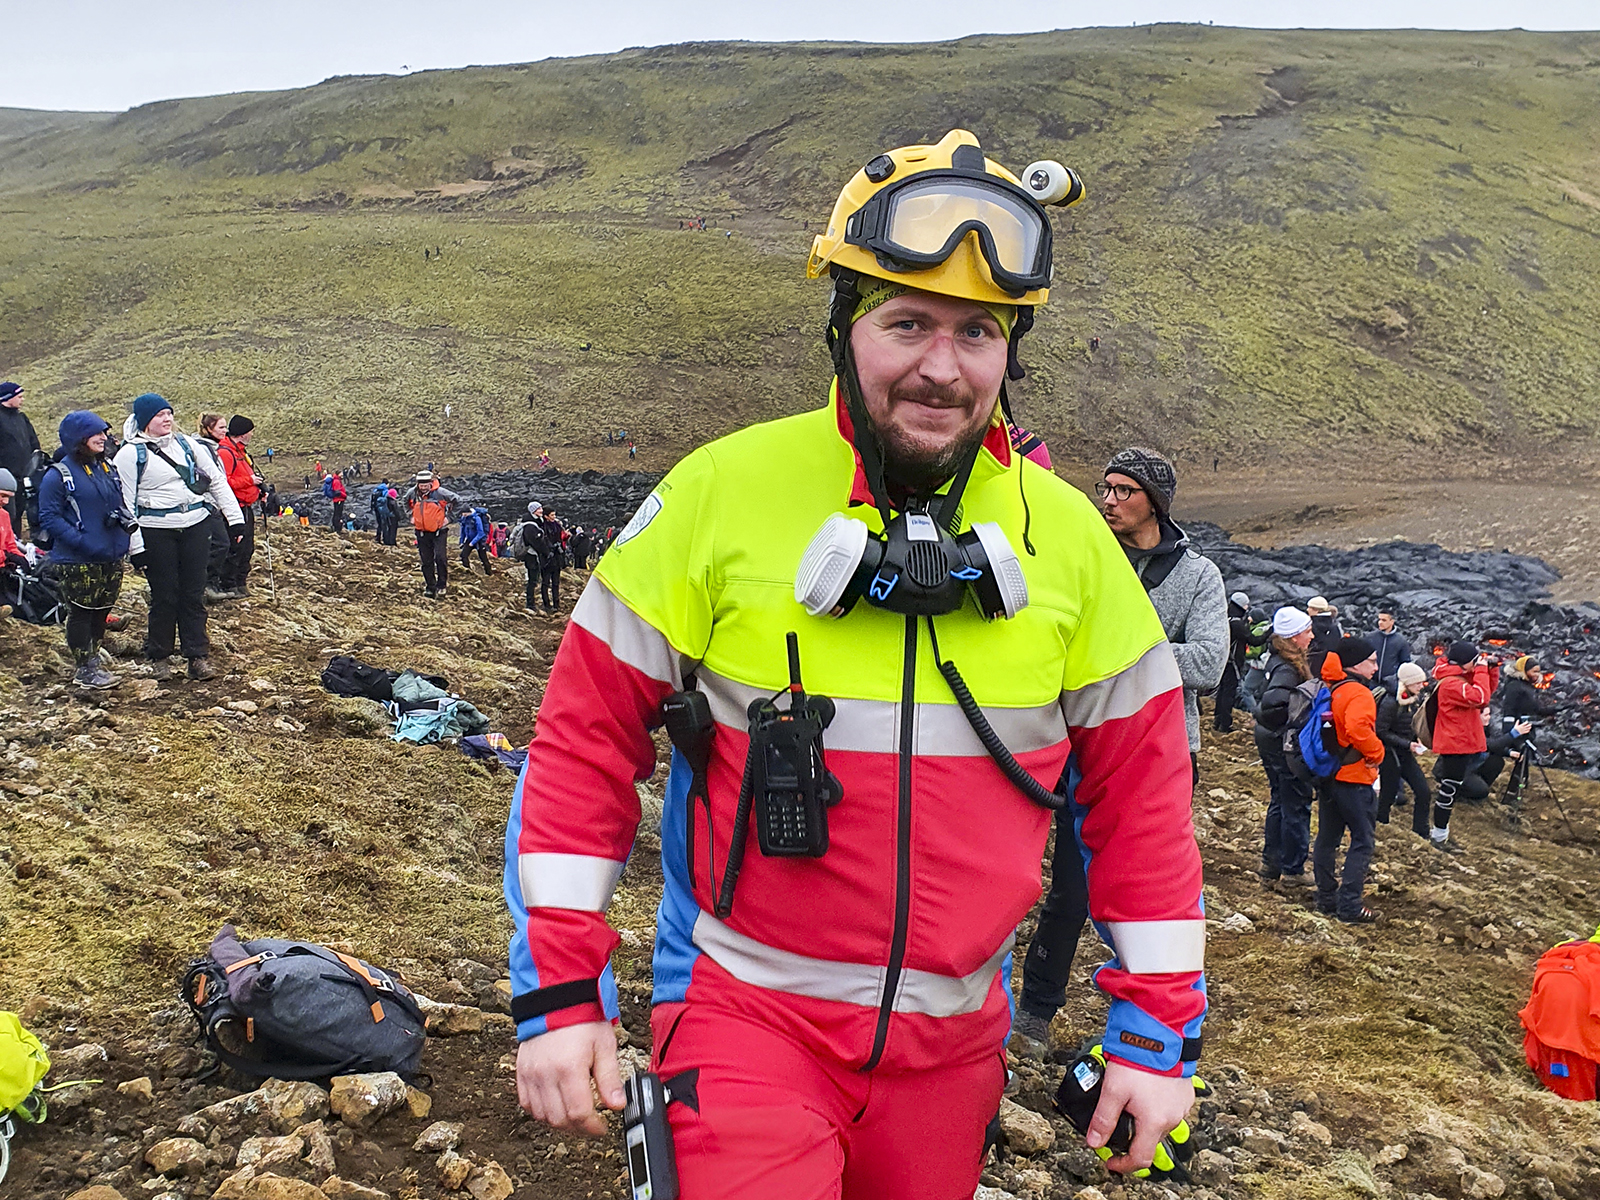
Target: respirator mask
915,567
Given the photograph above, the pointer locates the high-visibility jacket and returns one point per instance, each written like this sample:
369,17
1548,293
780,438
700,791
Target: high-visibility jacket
1355,718
894,947
1562,1019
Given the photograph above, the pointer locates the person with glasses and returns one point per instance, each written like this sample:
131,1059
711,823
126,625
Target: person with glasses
1186,589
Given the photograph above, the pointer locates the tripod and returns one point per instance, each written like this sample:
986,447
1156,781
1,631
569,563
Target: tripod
1517,785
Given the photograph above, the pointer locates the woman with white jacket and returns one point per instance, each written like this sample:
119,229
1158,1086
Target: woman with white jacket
167,482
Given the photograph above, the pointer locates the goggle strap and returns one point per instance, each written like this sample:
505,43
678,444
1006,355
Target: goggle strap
1014,368
840,317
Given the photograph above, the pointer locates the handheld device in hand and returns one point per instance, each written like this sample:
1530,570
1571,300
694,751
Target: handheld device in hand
647,1139
1079,1095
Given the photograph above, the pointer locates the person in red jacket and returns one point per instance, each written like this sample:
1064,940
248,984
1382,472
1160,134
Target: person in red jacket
245,482
1350,799
1467,680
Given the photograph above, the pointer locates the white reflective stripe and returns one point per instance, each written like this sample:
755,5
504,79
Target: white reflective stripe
632,639
1159,947
583,882
873,726
1125,693
924,992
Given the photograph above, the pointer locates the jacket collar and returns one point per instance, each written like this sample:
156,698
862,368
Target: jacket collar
995,455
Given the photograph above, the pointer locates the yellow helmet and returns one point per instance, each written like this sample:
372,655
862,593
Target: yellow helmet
948,220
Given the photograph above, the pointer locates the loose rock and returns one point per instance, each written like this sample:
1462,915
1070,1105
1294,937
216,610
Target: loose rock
489,1182
1481,1185
1026,1131
1301,1125
178,1156
418,1103
342,1189
98,1192
446,1020
263,1152
76,1060
453,1170
140,1089
441,1135
359,1100
1211,1168
319,1147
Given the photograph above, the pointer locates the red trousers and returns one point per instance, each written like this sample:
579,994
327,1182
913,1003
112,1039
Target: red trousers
777,1119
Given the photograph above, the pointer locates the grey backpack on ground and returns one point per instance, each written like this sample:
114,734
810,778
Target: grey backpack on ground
281,1009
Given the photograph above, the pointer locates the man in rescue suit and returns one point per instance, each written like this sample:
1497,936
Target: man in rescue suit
844,1019
430,506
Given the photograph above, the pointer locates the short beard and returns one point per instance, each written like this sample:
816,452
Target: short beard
919,470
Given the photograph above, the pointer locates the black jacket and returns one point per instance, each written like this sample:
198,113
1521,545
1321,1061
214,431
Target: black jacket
1282,679
1393,649
1393,725
18,441
1519,698
1240,640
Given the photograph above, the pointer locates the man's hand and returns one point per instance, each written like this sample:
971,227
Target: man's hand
1155,1102
554,1072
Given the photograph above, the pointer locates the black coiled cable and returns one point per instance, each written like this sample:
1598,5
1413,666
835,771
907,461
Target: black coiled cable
1012,769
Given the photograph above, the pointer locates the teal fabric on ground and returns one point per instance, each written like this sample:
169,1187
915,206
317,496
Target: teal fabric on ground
412,688
424,726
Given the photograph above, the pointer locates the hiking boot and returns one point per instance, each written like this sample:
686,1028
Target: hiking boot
1031,1026
201,669
117,622
161,669
237,593
1366,916
93,674
1295,884
1445,845
441,592
216,595
5,611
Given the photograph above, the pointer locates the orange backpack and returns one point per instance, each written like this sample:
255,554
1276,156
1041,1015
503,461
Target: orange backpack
1562,1019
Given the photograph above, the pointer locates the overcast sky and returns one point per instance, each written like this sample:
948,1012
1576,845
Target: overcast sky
113,54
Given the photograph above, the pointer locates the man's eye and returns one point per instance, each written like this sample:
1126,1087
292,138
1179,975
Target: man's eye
977,331
908,325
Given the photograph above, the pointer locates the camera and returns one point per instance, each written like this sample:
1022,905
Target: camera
122,521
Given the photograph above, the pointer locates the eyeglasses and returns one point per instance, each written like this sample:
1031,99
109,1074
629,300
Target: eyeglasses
1122,491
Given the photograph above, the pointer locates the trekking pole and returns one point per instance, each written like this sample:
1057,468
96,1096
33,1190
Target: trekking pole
266,538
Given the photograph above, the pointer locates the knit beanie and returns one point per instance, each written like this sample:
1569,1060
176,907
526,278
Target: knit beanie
534,508
1461,653
1241,600
146,407
9,389
1353,650
238,426
8,481
1411,676
1150,470
1289,621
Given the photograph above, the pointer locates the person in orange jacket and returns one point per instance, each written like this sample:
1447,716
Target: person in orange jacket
1350,799
1467,681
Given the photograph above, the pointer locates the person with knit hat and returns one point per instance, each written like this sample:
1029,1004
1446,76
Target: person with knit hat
1242,643
1519,692
1467,681
81,508
1349,801
1286,838
1187,592
245,482
167,490
18,445
10,551
1401,694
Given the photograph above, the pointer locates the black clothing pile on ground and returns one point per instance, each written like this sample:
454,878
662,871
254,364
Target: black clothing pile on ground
1498,600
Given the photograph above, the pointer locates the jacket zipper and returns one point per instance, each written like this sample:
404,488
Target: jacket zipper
902,869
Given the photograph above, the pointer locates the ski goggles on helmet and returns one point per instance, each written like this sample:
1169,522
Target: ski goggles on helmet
919,222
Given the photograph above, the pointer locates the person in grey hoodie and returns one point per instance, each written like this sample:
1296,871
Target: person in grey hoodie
1186,589
1183,584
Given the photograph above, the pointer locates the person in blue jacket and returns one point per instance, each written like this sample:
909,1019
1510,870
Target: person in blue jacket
81,508
475,535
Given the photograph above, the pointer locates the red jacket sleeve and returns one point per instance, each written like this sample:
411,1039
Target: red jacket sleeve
575,811
1131,790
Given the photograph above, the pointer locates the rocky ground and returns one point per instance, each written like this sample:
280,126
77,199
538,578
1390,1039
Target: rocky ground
1381,1061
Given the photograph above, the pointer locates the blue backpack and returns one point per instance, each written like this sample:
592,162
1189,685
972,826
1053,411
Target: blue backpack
1310,742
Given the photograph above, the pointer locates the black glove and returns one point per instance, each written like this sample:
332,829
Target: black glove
15,560
140,560
236,533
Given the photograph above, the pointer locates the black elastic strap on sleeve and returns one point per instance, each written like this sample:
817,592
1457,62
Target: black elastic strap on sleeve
548,999
1191,1050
